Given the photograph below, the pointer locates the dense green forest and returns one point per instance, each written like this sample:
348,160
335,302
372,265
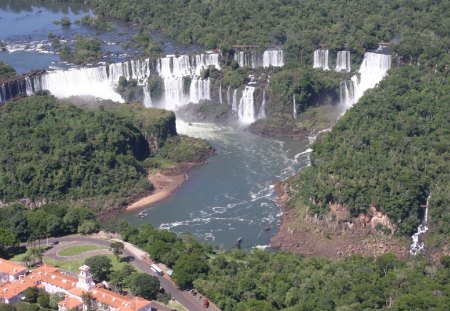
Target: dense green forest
259,280
418,30
391,150
52,150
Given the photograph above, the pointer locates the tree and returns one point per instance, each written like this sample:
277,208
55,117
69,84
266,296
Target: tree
43,299
143,285
7,307
36,253
7,239
187,268
31,294
100,267
117,279
55,299
117,248
87,227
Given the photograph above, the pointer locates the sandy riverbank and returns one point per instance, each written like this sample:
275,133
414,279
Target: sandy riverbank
165,185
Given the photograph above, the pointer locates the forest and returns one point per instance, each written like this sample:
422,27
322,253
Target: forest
51,150
390,150
261,280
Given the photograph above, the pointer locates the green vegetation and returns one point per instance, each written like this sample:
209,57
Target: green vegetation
419,29
51,150
259,280
86,50
79,249
96,22
391,150
54,150
6,71
18,223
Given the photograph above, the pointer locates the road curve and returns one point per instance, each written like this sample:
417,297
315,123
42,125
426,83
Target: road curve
184,297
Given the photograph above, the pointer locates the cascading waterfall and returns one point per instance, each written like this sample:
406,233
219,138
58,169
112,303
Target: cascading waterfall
262,109
347,94
343,61
220,94
373,69
229,95
246,109
294,107
253,59
321,59
273,58
147,97
77,82
234,105
173,69
199,89
417,246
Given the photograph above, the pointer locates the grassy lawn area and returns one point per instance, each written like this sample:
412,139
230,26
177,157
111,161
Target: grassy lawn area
74,265
79,249
176,305
17,258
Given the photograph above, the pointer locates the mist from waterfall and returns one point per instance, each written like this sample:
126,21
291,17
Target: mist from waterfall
262,108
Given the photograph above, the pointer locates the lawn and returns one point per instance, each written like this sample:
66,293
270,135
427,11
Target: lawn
74,265
79,249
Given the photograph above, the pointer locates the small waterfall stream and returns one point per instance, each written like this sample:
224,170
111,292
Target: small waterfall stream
418,246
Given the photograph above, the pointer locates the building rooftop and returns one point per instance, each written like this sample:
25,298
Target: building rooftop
10,267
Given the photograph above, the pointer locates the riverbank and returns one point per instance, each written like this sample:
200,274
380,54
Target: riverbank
301,233
165,183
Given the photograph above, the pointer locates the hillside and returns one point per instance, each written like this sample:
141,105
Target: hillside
390,153
53,150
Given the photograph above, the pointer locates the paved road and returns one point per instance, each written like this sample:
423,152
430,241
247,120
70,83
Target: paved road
185,298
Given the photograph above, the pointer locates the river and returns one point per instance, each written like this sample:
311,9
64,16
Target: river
230,197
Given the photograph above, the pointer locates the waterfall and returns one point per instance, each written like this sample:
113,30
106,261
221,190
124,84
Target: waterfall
343,61
255,59
147,98
417,246
81,81
220,93
372,70
101,81
234,106
229,96
203,61
172,69
262,109
273,58
347,94
199,90
294,107
321,59
246,109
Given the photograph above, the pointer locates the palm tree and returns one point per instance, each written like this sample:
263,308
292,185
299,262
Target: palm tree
88,300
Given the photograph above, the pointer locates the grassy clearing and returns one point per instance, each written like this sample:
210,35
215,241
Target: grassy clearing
74,265
79,249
